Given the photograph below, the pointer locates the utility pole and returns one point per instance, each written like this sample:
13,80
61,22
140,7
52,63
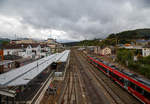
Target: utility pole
50,34
56,45
15,37
116,45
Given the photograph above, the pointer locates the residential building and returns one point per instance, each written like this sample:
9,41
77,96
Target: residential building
103,51
51,41
38,50
14,41
23,41
106,51
12,51
97,50
28,50
145,51
129,46
142,42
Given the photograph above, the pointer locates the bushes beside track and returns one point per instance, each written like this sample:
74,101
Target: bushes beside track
141,66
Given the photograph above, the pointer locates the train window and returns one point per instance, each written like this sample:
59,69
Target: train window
121,80
132,85
104,69
111,73
100,66
95,63
147,94
139,89
116,76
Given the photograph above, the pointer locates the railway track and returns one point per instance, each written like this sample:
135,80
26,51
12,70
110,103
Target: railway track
70,94
84,84
39,95
92,90
118,95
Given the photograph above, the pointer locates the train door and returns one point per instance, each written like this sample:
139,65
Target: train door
126,83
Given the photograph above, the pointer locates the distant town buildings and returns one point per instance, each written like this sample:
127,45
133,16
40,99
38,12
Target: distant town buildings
23,41
51,41
142,42
141,45
15,52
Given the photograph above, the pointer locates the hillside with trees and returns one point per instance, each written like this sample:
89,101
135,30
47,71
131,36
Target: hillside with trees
97,42
93,42
132,34
4,42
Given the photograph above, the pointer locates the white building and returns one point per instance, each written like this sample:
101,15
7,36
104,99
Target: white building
106,51
145,52
97,50
38,49
29,50
102,51
27,53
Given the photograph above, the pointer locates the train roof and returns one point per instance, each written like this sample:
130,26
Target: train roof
104,62
99,59
128,73
144,81
134,76
113,66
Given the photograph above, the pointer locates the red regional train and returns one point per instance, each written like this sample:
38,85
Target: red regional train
138,87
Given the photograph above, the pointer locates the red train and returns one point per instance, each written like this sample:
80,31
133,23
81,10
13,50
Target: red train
138,87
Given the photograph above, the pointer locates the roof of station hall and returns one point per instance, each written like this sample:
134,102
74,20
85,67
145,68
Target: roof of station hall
23,75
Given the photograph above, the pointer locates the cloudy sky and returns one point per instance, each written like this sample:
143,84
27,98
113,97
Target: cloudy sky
71,20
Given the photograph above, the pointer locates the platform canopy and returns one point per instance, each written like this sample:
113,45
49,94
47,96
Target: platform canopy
64,56
23,75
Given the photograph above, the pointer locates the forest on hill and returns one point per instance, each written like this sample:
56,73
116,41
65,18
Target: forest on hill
132,34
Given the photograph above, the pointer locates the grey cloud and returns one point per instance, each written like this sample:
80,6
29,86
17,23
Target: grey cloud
80,18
